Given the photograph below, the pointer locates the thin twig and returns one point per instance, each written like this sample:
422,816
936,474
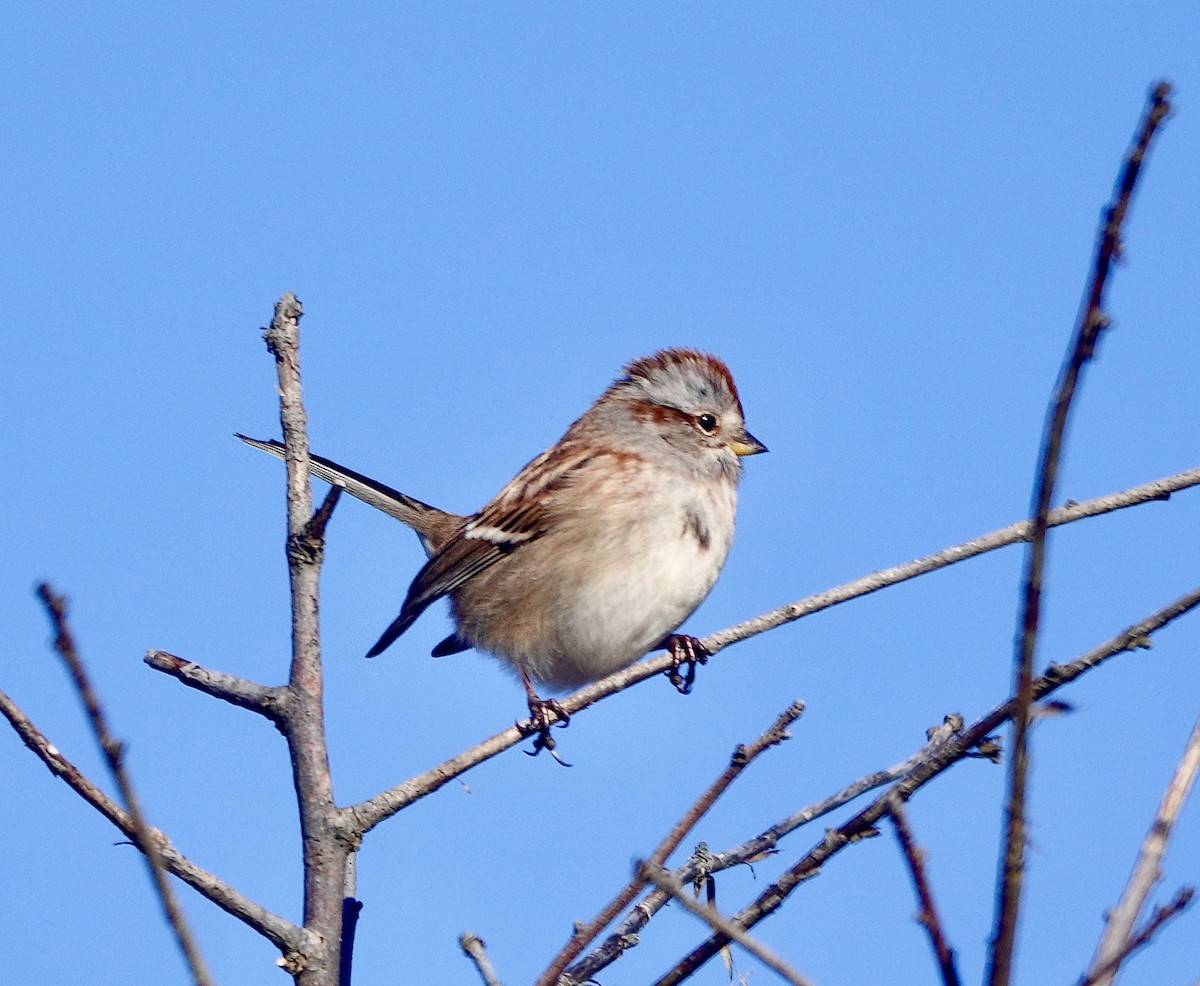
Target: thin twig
766,841
114,755
1092,321
863,823
365,815
285,935
928,916
626,933
266,700
475,949
1142,937
1147,870
320,520
742,757
668,884
1159,489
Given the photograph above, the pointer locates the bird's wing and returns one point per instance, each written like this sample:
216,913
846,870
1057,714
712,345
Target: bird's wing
519,514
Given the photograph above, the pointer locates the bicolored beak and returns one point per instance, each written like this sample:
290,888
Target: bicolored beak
747,444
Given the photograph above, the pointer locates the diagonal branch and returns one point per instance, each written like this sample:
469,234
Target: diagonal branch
928,916
862,824
669,885
1140,938
114,755
279,931
365,815
1147,871
741,759
700,865
1022,530
1092,322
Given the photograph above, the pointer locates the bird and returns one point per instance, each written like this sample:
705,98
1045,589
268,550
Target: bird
599,549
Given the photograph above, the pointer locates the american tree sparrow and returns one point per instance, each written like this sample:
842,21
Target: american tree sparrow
598,549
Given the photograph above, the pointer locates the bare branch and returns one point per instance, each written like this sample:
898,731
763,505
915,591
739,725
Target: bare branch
114,755
742,757
266,700
938,737
1147,870
863,823
700,865
668,884
367,814
324,839
475,949
320,520
928,917
279,931
1092,321
351,909
1176,906
1159,489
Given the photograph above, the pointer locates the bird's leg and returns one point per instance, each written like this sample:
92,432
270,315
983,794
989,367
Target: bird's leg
541,711
686,652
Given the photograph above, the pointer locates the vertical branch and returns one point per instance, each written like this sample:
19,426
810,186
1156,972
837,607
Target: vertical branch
1092,321
351,908
325,850
114,754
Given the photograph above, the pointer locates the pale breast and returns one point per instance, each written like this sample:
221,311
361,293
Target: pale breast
602,587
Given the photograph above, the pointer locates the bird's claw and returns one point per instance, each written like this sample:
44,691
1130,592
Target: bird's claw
686,653
544,713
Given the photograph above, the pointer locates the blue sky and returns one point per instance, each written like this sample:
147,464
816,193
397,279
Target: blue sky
882,220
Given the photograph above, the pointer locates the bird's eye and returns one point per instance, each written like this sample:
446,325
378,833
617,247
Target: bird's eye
707,423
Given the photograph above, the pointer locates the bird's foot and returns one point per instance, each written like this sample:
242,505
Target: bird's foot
543,714
686,653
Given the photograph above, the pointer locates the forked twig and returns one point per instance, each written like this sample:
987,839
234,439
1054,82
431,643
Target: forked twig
1147,870
668,884
863,823
751,850
114,755
742,757
1142,937
1092,321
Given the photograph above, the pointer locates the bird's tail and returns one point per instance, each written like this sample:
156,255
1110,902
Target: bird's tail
433,526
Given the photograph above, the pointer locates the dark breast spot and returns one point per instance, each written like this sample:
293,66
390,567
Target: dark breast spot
694,525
